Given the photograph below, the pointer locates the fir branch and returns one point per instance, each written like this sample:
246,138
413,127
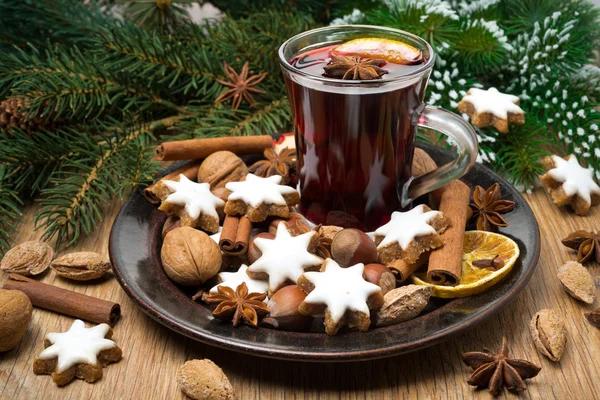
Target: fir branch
10,209
261,119
160,60
71,207
157,14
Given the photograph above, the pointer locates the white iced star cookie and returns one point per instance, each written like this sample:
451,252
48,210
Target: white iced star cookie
193,202
259,198
284,258
341,295
570,183
79,352
234,279
490,107
409,234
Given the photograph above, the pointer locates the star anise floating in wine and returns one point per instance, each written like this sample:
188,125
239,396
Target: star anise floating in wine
354,68
242,86
586,243
238,306
275,164
487,207
495,370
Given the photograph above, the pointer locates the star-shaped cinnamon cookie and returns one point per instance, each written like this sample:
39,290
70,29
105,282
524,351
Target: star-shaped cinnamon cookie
410,233
79,352
193,202
570,183
492,108
341,295
259,198
284,258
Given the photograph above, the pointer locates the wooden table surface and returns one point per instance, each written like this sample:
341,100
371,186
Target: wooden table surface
153,353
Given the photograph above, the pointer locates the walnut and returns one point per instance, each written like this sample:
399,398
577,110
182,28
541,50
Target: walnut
220,168
29,258
190,257
15,315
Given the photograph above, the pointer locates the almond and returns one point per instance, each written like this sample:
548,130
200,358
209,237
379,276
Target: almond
577,281
402,304
82,266
28,258
204,380
549,334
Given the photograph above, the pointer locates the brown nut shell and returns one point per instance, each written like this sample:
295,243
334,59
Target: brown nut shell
296,224
81,266
254,253
380,275
28,258
577,281
402,304
204,380
549,334
15,315
190,257
220,168
283,310
352,246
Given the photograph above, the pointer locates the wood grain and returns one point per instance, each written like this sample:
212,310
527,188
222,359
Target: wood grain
152,353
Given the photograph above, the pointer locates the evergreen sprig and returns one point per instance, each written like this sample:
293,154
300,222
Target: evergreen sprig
10,209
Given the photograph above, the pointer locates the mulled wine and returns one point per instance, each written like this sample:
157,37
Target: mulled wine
356,94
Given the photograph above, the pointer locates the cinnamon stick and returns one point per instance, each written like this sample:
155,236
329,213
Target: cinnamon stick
235,235
189,170
404,270
201,148
445,263
65,301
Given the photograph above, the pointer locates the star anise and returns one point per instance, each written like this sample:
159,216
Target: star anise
275,164
488,206
494,370
355,68
586,243
238,306
241,86
323,249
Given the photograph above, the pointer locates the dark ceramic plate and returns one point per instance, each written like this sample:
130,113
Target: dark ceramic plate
135,254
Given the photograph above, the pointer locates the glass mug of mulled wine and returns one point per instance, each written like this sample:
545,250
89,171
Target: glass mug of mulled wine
356,94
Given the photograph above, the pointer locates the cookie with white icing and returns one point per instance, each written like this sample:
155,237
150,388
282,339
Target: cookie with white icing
259,198
409,234
570,183
193,202
341,295
79,353
284,258
234,279
492,108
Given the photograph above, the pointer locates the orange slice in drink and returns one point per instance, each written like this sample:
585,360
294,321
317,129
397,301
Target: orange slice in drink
386,49
478,245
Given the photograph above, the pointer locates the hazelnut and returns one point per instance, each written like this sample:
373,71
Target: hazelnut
254,253
296,224
380,275
190,257
204,380
220,168
171,223
28,258
15,315
352,246
283,310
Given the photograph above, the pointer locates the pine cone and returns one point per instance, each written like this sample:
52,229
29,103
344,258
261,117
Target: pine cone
13,114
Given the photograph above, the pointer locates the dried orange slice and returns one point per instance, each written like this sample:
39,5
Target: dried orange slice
478,245
387,49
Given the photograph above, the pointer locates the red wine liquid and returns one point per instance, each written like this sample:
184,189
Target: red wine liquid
354,150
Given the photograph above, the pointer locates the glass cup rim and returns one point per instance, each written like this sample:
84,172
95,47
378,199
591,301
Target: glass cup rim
338,82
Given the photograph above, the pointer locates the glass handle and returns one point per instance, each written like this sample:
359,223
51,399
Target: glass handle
461,133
